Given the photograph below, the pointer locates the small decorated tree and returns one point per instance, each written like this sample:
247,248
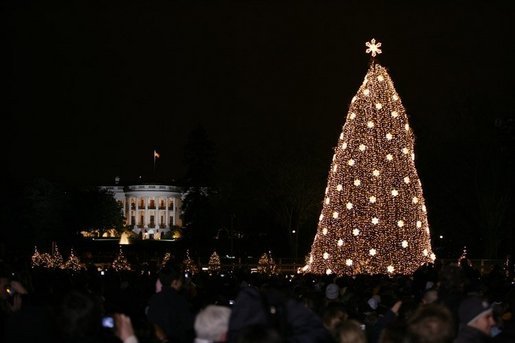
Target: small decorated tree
464,258
73,263
189,264
214,263
57,258
120,263
266,265
37,260
166,259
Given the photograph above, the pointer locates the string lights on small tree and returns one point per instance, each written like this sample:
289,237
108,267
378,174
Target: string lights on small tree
214,265
73,263
120,263
47,260
189,264
57,258
374,218
464,258
166,259
507,266
267,265
36,260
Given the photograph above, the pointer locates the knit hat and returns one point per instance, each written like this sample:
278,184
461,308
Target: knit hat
332,291
473,308
374,301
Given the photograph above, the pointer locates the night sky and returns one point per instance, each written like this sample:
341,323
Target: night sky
94,86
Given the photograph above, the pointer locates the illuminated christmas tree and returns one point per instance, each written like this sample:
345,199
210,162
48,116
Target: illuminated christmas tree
73,263
47,260
214,263
464,258
166,258
373,219
120,263
266,265
189,264
57,258
37,260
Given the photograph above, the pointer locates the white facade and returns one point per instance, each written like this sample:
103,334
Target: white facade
150,209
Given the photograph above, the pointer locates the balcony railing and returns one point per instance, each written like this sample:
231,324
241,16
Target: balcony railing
162,207
152,207
151,225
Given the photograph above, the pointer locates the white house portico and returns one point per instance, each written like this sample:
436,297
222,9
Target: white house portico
149,209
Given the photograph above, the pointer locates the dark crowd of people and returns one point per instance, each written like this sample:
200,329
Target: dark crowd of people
438,303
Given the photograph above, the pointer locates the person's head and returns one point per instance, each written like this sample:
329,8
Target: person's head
430,296
333,315
332,292
212,323
477,313
374,301
171,276
350,331
431,324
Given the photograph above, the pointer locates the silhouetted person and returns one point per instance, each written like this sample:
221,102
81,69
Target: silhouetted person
349,331
168,309
79,319
476,321
431,323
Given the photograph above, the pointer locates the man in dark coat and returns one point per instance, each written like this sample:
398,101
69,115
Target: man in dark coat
168,309
273,311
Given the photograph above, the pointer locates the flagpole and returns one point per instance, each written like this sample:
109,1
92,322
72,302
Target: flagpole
154,170
156,156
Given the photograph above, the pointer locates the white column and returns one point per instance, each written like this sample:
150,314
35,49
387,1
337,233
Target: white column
125,211
173,211
146,212
167,224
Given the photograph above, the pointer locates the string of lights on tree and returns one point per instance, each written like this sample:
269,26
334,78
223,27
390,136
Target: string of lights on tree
214,263
55,260
266,265
36,260
464,258
374,218
189,264
507,266
120,263
73,263
166,259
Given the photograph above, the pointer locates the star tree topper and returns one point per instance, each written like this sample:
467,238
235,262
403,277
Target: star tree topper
373,47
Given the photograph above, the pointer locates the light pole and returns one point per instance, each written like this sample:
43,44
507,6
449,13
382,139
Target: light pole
295,245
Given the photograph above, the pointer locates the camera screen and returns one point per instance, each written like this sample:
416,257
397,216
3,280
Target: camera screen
108,322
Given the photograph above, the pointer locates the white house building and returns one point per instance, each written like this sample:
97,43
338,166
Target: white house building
150,209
